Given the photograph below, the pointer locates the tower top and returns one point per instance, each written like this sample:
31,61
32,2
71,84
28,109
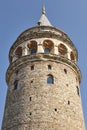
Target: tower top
43,21
43,10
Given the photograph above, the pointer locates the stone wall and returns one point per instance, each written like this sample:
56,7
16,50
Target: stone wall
36,105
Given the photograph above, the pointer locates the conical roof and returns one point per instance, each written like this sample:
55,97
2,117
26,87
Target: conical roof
43,21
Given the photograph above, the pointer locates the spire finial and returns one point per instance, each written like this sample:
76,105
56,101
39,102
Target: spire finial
43,10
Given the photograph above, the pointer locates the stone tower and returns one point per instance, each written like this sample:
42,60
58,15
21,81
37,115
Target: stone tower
43,81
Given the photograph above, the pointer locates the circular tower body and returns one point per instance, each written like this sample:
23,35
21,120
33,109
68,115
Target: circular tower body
43,81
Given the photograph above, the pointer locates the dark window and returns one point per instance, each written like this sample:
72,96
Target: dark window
50,79
30,113
47,50
77,90
30,98
68,102
55,109
32,67
16,85
31,81
39,23
49,67
65,71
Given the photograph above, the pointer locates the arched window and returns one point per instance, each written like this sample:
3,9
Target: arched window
16,84
50,79
72,56
32,47
48,46
18,52
62,49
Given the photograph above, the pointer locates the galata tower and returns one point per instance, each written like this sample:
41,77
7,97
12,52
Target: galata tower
43,81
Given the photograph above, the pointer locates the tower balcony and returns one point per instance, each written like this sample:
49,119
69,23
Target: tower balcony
43,45
48,40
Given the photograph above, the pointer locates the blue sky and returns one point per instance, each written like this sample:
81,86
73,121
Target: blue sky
18,15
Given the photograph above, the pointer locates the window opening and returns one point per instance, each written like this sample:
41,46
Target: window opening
32,45
50,79
65,71
31,81
16,85
32,67
30,98
30,113
39,23
62,49
55,109
68,102
78,90
49,67
48,46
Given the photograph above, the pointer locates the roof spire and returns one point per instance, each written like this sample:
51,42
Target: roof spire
43,21
43,10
